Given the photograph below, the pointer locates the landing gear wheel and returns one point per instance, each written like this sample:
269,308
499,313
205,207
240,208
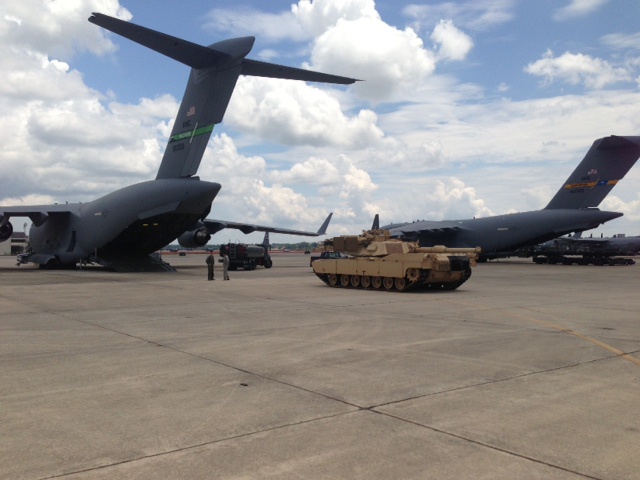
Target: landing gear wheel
333,279
365,281
355,281
376,282
344,280
387,282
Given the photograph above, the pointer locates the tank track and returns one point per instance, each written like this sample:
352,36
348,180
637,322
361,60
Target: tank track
390,284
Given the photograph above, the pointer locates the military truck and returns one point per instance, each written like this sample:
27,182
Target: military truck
246,256
586,251
379,262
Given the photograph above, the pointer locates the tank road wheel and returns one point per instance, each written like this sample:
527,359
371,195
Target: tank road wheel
413,274
365,281
376,282
344,280
332,279
401,284
355,281
387,282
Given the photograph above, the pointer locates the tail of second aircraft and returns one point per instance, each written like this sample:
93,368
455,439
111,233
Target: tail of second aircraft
215,71
606,163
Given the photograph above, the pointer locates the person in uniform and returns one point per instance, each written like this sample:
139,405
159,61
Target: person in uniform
225,264
210,263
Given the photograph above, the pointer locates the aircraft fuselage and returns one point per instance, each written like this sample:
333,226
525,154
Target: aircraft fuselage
135,220
507,233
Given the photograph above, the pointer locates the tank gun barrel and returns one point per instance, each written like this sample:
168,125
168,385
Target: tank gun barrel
443,249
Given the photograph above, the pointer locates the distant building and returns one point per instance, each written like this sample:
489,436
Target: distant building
17,244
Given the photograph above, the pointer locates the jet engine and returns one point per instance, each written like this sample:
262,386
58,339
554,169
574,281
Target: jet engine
194,238
6,231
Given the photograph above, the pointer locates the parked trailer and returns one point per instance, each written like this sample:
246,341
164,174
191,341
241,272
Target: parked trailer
579,252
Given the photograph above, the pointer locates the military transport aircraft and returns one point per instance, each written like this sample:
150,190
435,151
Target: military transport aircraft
572,209
121,229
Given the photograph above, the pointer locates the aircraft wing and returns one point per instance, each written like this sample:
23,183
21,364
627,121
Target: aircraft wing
216,225
36,213
424,227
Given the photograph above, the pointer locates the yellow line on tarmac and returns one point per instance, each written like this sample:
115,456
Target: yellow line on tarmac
600,344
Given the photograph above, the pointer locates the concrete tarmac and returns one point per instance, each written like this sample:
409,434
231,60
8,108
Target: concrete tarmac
526,371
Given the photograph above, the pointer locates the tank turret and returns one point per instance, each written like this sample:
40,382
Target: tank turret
381,262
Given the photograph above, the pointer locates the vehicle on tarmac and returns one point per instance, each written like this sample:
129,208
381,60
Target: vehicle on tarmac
587,251
327,255
248,257
379,262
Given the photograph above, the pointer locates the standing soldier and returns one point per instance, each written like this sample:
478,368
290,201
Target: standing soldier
224,253
210,263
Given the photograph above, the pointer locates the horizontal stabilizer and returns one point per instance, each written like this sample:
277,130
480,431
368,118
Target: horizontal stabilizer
214,72
271,70
191,54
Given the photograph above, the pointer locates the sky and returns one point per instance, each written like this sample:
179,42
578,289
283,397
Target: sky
465,109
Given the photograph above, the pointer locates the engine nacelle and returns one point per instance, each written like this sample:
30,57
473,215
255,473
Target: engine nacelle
194,238
6,231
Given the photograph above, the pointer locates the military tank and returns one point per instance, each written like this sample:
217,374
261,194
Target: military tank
379,262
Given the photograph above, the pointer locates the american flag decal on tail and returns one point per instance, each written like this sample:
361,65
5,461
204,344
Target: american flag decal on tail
191,111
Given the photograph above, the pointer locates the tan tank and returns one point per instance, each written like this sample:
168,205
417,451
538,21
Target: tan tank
381,263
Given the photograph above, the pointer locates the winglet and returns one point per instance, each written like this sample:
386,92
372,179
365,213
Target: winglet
323,228
376,223
265,241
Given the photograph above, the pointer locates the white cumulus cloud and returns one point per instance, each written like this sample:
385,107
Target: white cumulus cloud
577,68
295,113
392,61
318,16
453,44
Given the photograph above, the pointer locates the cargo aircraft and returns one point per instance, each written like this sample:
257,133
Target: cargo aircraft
572,209
122,229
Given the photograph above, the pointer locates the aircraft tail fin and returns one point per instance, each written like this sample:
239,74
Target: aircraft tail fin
215,71
606,163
